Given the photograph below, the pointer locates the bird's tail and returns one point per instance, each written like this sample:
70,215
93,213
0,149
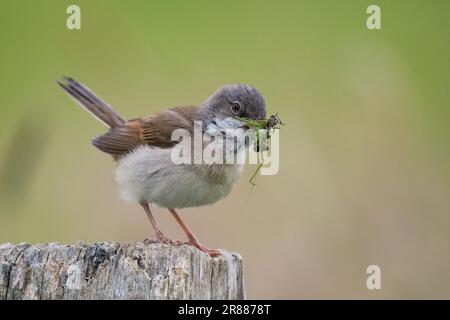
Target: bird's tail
91,103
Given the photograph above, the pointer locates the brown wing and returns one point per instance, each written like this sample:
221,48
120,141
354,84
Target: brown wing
154,131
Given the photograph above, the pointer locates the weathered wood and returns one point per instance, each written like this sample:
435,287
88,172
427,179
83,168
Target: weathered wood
111,270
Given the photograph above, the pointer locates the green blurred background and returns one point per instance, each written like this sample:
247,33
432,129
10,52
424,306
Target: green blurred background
364,172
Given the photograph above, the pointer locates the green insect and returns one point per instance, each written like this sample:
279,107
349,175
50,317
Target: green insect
267,124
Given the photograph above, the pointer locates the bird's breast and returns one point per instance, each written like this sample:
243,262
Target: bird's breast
149,175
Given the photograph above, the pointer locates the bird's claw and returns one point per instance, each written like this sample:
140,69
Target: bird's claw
199,246
161,238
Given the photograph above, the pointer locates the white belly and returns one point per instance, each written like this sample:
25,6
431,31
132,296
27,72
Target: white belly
149,175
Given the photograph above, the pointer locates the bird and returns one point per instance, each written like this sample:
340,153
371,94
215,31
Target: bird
142,149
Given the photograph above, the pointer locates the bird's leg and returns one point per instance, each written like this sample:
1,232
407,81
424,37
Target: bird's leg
160,237
192,239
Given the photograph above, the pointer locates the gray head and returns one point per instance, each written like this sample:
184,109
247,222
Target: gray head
235,100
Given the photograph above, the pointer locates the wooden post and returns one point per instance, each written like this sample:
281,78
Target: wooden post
111,270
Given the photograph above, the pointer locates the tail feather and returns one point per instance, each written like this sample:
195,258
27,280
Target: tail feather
91,103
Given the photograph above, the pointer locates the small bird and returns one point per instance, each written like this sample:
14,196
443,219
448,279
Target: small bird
146,173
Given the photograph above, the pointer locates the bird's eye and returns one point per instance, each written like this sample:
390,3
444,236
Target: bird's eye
237,108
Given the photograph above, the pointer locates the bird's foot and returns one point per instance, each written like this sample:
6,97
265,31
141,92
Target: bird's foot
161,238
199,246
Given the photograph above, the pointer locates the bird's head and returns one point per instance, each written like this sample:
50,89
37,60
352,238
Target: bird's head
231,102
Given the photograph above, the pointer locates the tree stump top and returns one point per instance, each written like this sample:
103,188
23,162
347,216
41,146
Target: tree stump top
111,270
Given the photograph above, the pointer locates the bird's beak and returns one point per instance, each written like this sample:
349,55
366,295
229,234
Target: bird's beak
242,125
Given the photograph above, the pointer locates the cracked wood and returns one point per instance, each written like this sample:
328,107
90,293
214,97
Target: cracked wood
111,270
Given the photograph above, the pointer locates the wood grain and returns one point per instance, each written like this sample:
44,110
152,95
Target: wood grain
110,270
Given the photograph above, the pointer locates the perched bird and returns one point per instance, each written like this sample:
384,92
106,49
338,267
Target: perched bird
142,147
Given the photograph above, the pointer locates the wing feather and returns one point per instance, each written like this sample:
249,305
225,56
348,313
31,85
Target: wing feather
155,131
